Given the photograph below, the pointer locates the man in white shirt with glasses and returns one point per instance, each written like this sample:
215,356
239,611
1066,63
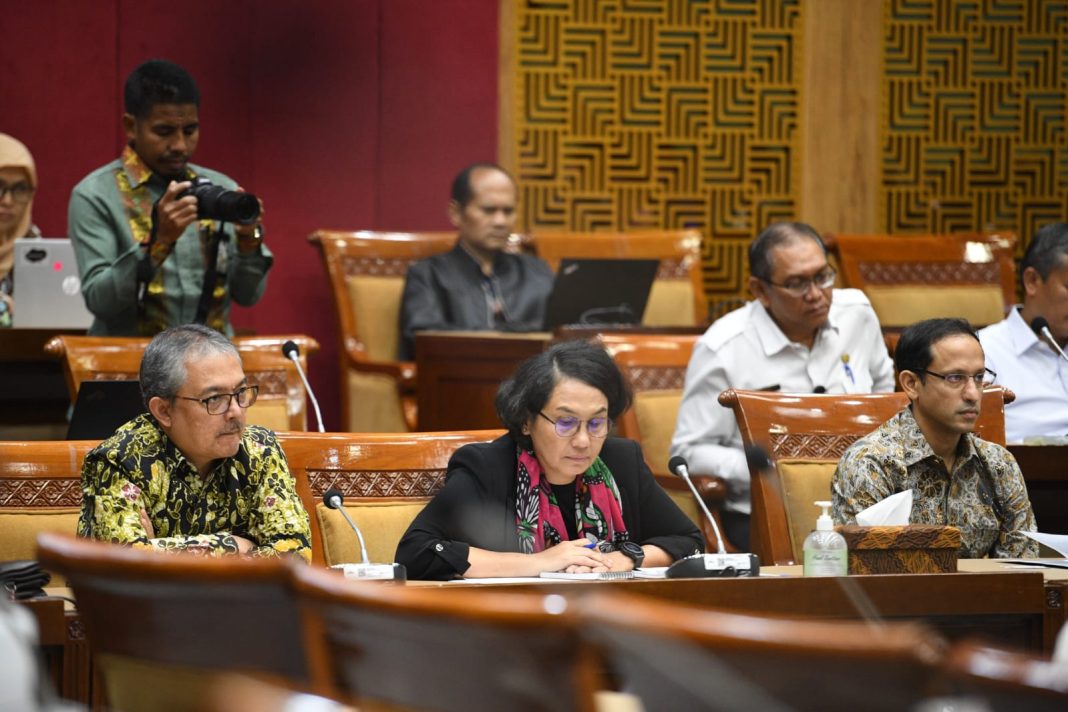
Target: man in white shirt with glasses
799,335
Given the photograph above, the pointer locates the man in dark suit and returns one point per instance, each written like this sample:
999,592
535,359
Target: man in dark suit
477,286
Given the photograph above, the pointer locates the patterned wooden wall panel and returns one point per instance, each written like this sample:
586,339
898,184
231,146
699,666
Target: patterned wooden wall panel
974,116
636,114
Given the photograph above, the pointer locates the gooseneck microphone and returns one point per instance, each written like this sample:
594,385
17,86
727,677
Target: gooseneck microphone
720,564
1040,326
292,352
333,499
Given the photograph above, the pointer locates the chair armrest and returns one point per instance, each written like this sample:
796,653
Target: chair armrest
403,372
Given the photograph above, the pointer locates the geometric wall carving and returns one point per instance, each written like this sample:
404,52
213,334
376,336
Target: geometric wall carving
974,134
672,114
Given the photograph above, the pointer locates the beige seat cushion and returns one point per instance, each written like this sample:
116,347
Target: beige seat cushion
671,303
656,412
804,482
19,529
134,684
376,305
382,523
374,404
270,413
904,305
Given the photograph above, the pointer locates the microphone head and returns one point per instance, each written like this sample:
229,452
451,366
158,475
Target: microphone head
290,349
675,463
1038,324
819,389
757,458
330,494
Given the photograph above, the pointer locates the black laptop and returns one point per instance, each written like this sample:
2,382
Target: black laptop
592,292
103,406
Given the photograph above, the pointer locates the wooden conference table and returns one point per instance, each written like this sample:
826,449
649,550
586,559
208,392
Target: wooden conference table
1009,606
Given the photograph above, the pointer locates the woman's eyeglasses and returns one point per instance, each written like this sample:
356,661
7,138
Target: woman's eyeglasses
567,426
19,192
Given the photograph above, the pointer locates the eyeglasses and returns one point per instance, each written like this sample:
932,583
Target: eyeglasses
957,380
568,426
20,192
800,286
220,403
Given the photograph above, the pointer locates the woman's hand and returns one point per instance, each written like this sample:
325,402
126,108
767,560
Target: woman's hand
574,557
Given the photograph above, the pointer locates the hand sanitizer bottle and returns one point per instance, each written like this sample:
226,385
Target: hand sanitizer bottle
825,549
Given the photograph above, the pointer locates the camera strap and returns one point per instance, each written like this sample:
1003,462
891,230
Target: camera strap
211,271
145,271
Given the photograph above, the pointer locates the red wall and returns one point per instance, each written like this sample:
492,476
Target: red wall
338,113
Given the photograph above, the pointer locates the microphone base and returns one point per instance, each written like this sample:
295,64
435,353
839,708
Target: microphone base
715,566
373,572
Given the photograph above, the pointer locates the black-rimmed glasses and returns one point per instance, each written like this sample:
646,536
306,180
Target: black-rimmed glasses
568,425
220,402
19,192
800,286
957,380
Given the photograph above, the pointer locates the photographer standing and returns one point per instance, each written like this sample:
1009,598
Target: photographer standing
159,241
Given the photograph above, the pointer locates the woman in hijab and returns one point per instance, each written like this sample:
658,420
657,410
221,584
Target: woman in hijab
18,183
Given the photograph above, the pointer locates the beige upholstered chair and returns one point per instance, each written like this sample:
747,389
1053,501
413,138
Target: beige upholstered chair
366,271
385,479
281,404
677,297
910,278
655,365
805,435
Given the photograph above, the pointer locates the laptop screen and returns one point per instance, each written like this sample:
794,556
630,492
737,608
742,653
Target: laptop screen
47,291
610,291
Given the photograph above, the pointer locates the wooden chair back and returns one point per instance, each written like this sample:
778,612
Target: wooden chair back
655,365
680,658
910,278
40,490
385,479
677,297
366,270
405,647
805,435
1006,680
281,404
163,627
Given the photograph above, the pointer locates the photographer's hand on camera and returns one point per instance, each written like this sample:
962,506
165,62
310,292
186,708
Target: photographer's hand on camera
250,237
174,214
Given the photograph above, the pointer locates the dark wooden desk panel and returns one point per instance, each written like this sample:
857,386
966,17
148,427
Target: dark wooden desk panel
459,372
1006,608
1045,469
32,389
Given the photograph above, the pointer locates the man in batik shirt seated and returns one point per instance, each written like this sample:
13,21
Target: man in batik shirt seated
957,478
189,474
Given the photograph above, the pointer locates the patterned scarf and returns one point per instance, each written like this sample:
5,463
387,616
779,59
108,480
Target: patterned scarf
539,518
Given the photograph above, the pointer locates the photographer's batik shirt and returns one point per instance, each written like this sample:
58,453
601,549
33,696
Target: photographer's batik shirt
985,497
251,494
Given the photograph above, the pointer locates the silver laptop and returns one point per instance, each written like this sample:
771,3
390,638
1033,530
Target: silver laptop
47,291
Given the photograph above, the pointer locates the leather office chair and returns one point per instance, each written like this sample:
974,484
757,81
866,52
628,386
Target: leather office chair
366,270
911,278
385,480
403,647
805,435
1005,680
656,365
281,404
677,297
679,658
163,627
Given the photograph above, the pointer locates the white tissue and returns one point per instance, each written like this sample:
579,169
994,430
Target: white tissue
892,511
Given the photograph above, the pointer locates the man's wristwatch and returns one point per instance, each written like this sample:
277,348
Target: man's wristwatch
253,240
634,552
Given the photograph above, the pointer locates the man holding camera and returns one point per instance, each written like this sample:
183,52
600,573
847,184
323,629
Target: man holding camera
160,241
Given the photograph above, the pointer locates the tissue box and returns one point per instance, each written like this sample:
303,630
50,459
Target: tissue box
910,549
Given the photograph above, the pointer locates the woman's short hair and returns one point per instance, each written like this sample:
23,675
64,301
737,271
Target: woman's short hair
163,365
521,397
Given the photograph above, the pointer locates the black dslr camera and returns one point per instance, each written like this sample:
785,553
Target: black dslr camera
217,203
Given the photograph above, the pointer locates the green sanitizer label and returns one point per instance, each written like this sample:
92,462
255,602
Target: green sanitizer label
826,563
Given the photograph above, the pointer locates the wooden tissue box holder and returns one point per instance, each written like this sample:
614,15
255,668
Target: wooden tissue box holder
909,549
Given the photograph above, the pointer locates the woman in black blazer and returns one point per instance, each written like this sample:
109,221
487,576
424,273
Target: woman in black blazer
555,493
